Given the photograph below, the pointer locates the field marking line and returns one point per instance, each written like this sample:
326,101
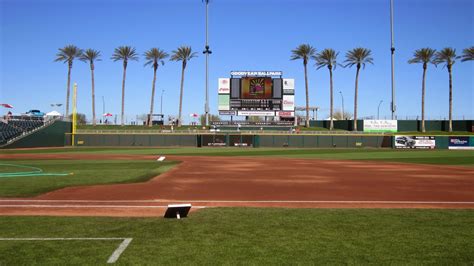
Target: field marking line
86,206
112,259
239,201
121,248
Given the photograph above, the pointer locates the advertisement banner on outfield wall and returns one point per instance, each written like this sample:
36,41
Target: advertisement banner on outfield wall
461,143
380,125
224,86
415,142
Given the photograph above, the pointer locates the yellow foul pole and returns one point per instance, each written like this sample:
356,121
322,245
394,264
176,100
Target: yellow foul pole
74,113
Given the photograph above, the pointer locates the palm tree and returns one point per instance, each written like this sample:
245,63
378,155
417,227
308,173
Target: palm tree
358,57
124,53
425,56
184,54
327,58
448,57
91,55
468,54
67,54
154,57
305,52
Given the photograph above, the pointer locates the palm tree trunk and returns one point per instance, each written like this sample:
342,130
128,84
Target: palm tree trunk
307,96
68,91
152,97
93,95
123,93
331,125
423,100
450,99
181,96
355,98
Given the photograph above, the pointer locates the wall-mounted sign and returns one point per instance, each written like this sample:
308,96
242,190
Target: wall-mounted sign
380,125
227,112
223,102
288,102
415,142
461,143
256,113
224,86
285,114
256,73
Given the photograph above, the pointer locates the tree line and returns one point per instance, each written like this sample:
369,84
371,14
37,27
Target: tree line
154,57
360,56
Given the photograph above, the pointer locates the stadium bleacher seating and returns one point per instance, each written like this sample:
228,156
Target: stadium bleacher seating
14,128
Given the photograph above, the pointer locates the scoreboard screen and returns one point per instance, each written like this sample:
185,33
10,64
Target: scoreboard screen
256,95
256,88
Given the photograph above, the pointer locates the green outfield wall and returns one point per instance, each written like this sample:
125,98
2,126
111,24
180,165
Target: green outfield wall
232,140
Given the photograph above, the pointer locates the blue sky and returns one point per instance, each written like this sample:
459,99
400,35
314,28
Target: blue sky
244,35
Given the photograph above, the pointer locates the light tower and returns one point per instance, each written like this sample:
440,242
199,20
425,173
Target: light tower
207,52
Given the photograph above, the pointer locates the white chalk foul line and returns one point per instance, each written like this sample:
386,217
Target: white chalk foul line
233,201
86,206
112,259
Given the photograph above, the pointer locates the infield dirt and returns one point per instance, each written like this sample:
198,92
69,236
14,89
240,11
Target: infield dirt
257,182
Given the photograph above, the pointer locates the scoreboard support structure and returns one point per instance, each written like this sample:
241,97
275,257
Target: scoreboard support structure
257,93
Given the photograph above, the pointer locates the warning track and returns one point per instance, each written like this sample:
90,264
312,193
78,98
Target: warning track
259,182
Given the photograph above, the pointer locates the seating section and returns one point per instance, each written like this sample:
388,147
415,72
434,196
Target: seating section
15,128
26,125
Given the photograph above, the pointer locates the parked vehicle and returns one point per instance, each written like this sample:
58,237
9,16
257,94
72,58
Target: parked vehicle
35,113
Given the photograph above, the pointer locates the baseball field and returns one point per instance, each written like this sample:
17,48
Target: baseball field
250,206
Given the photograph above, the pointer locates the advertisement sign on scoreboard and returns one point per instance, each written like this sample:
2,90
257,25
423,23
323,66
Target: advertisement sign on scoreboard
288,102
224,86
223,102
415,142
289,86
380,125
256,113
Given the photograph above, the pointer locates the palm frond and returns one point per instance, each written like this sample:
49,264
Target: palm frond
326,58
68,53
358,56
155,56
468,54
124,53
90,55
183,53
303,51
446,55
423,55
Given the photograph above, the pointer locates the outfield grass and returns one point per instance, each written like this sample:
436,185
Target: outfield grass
237,236
84,172
446,157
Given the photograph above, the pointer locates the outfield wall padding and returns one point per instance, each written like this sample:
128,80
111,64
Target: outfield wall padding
130,140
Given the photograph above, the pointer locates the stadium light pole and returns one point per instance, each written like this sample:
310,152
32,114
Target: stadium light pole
392,49
378,110
207,52
342,98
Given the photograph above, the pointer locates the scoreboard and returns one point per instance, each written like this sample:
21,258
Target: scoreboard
256,93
